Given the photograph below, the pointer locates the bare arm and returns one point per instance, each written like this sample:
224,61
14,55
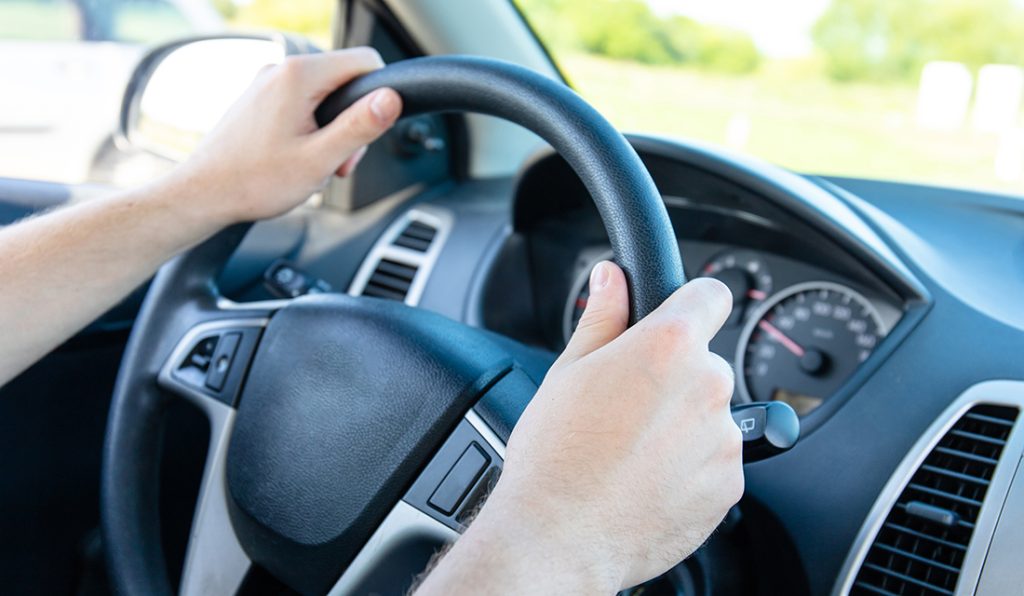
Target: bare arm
622,465
63,269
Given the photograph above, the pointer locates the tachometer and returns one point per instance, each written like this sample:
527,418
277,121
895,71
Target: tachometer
746,275
804,343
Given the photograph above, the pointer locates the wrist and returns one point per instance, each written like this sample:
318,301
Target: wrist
514,547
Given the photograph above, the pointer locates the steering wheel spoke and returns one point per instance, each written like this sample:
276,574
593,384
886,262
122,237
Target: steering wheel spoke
436,509
206,368
210,361
215,562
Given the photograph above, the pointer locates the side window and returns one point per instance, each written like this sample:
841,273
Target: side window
39,20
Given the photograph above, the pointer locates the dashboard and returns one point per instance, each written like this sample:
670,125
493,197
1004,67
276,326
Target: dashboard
883,312
797,332
809,313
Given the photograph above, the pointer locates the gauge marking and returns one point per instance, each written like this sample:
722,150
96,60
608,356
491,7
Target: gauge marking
746,275
823,330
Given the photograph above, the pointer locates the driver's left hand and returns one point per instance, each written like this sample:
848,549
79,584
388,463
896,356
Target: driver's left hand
268,155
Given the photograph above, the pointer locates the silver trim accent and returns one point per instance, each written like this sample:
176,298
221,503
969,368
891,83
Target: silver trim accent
215,562
270,305
486,432
440,219
742,393
404,522
1004,393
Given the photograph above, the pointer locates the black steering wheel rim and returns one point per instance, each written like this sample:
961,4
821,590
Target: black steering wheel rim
184,292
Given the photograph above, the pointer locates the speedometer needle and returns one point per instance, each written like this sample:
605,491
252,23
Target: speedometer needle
781,337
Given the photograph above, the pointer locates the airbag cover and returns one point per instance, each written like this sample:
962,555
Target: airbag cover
346,400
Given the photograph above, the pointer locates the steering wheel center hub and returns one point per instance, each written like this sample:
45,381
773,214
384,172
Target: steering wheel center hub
346,400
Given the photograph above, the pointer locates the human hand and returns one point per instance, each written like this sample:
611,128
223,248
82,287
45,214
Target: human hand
267,155
627,458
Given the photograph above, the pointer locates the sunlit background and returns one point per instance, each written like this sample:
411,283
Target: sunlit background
918,90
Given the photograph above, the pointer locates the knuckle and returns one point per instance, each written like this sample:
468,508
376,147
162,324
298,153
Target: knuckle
367,53
291,68
675,334
719,381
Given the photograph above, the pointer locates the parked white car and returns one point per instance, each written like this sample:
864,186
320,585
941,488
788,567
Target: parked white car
64,65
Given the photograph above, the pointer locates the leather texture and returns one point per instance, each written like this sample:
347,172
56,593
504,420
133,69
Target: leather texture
630,205
347,400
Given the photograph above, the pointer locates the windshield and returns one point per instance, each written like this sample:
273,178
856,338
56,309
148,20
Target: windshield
917,90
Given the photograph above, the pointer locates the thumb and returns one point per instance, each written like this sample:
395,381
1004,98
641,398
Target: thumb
606,315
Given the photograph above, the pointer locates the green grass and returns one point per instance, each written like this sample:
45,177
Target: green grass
798,119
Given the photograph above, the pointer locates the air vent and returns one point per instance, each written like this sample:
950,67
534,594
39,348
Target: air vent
920,547
416,236
390,279
400,262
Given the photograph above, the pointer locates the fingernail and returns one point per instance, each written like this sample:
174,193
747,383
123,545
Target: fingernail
599,276
385,105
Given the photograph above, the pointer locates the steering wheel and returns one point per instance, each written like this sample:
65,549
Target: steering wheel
336,421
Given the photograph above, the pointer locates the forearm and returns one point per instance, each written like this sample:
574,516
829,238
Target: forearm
509,551
64,269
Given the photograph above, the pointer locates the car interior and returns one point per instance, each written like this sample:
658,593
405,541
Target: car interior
319,402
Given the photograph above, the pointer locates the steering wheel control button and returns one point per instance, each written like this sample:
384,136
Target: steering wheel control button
457,479
460,479
220,365
768,429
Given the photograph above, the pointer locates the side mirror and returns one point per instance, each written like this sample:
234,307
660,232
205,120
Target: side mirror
180,90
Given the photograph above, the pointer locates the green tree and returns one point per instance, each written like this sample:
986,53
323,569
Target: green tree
629,30
311,18
892,40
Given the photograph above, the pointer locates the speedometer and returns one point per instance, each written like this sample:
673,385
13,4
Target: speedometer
804,343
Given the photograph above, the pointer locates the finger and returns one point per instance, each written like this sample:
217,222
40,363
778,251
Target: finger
704,304
323,73
350,164
361,124
606,315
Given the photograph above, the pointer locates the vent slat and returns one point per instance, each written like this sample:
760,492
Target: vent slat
989,419
874,590
976,437
391,280
970,456
416,236
396,269
916,554
906,578
898,528
956,475
943,494
924,560
379,292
